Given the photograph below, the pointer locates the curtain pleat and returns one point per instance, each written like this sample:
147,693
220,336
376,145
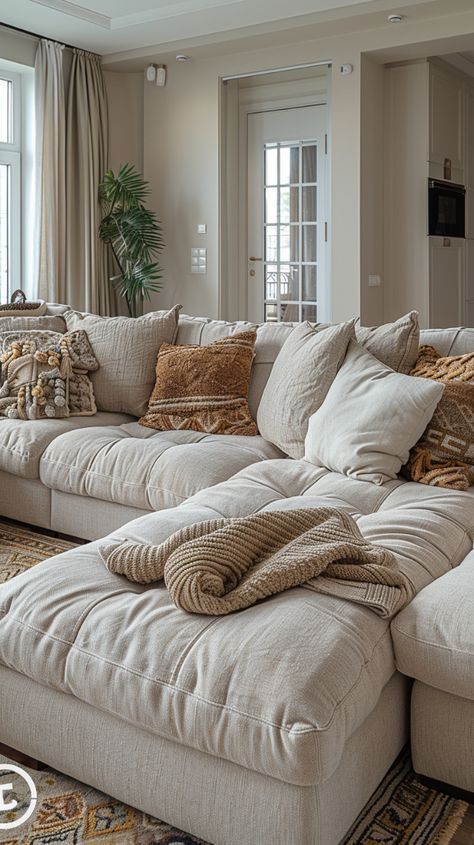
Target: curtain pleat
86,283
71,160
50,170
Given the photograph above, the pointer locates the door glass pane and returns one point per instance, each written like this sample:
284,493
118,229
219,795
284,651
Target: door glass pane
295,165
309,312
285,205
309,209
309,243
309,163
309,283
271,166
5,111
290,250
4,230
271,205
284,165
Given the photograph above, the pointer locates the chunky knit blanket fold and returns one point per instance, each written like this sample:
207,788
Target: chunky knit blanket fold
223,565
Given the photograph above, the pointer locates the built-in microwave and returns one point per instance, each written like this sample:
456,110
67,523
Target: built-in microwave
446,209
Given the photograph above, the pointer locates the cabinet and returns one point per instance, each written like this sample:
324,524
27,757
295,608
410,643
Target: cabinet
447,261
446,135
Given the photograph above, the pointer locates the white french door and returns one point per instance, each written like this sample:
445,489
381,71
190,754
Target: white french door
287,215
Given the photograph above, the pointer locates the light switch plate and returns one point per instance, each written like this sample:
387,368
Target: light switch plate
201,228
198,259
375,281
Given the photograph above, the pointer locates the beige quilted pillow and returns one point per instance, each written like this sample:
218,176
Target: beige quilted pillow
126,348
299,381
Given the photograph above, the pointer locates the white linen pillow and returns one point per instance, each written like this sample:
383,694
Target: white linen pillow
370,418
300,378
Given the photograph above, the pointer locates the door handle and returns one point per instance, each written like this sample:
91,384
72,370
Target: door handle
253,258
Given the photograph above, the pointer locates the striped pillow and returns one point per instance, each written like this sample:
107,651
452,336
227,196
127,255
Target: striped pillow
204,388
444,455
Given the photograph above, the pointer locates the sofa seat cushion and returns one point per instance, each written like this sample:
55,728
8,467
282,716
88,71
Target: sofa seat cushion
22,442
434,635
146,469
278,687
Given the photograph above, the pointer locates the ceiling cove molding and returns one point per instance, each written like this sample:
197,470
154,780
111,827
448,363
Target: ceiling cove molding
76,11
174,10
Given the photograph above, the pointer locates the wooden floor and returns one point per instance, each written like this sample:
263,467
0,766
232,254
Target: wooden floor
465,834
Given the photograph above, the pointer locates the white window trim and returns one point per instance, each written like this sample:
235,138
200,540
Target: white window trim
10,154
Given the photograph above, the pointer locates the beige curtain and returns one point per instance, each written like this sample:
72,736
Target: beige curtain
86,283
50,170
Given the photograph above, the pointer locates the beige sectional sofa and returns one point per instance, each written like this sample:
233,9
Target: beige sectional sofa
270,726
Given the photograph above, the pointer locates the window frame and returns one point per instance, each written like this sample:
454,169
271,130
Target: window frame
10,155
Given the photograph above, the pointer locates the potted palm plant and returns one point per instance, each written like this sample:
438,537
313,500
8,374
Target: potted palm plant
133,234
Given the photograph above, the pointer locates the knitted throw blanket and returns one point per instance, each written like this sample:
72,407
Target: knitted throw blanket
223,565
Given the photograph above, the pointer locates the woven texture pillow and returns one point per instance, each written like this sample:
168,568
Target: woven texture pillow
299,381
44,375
126,349
370,419
444,455
394,344
204,388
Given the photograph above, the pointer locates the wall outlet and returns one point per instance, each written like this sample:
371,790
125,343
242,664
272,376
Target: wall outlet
375,281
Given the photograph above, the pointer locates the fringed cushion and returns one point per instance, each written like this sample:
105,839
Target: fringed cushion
44,375
204,388
444,455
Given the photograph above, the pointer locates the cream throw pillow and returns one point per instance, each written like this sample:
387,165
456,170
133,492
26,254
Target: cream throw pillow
126,349
299,381
395,344
370,419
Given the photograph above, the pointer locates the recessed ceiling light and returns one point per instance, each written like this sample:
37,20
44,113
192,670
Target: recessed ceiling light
182,58
395,18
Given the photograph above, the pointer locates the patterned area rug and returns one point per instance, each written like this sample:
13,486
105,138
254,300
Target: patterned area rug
401,812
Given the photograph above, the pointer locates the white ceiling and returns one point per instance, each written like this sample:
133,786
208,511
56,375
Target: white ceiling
115,26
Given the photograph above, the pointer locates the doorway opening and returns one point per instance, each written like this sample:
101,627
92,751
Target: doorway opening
275,197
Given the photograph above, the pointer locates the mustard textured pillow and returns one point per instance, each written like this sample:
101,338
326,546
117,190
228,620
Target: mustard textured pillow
204,388
444,455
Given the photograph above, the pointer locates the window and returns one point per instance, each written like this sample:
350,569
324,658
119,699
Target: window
10,184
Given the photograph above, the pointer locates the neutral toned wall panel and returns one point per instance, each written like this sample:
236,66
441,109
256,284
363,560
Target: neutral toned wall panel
125,101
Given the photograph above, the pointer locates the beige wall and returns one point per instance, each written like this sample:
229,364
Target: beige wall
372,172
125,101
181,156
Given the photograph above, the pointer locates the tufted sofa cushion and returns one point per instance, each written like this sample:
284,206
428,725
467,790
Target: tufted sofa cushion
277,688
434,635
22,442
137,466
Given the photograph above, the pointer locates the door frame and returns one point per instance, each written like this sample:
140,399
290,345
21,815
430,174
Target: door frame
235,107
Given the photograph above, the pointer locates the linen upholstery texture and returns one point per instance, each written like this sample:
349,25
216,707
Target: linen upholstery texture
442,726
143,468
45,375
204,388
49,323
23,442
126,349
444,455
199,687
434,636
195,791
370,419
394,344
298,383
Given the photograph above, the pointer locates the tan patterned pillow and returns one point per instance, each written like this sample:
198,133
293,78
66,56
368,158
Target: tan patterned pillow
45,375
444,455
204,388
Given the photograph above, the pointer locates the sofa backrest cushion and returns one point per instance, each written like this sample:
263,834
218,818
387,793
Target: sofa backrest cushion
456,341
48,323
